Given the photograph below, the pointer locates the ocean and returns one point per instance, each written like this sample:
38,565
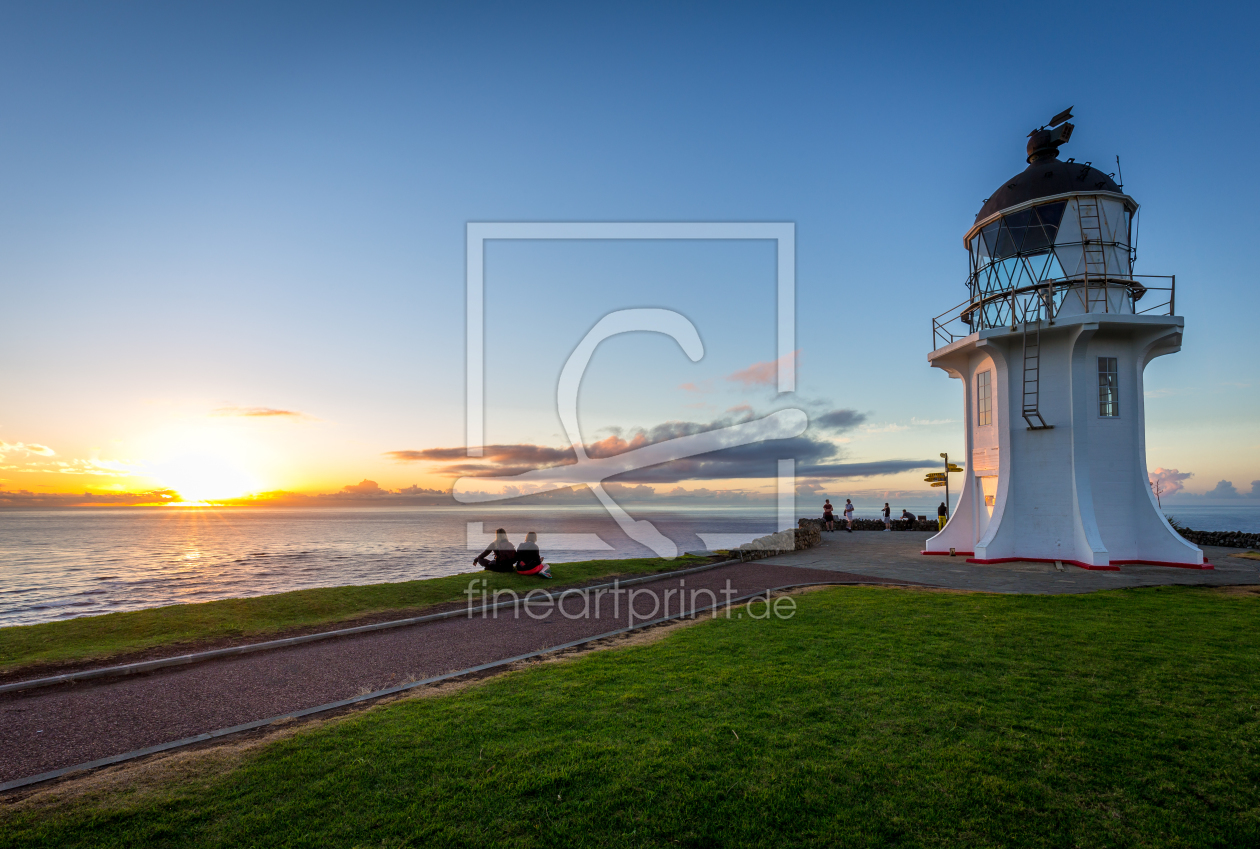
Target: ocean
69,563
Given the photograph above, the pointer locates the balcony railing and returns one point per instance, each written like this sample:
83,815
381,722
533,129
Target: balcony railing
1044,301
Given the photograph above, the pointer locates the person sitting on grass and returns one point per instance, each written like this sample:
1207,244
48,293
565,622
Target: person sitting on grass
529,560
500,556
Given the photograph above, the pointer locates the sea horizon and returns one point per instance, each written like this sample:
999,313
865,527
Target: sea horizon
69,562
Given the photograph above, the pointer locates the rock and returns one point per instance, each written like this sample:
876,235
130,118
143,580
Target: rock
1227,539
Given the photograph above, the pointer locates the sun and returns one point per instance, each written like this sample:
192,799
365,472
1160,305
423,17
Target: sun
204,476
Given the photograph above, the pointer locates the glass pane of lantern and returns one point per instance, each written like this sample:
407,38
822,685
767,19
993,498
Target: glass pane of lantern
1019,219
1036,241
989,235
1005,245
1051,214
1053,271
1017,224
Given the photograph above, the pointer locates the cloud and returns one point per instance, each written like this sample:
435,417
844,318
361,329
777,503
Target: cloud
891,427
26,498
1223,489
838,420
26,448
1172,483
699,388
761,374
1170,480
894,427
362,493
258,412
815,457
526,456
364,487
871,469
99,468
370,490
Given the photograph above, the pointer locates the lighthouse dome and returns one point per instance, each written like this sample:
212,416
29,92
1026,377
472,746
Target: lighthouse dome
1047,176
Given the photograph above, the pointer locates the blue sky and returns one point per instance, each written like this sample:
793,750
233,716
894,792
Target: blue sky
212,209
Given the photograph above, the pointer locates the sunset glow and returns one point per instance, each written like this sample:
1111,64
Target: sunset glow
203,477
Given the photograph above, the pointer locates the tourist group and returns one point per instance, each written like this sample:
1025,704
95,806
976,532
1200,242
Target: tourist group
829,516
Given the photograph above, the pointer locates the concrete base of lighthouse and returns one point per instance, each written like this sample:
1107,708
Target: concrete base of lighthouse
1077,492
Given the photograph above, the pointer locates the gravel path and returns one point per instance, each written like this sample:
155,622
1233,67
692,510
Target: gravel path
60,726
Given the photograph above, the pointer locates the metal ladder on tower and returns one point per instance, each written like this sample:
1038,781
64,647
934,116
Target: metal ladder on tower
1094,256
1032,375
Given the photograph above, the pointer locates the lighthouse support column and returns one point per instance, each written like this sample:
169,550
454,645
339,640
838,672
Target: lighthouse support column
1088,546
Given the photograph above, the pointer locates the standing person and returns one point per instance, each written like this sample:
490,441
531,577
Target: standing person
829,517
529,560
941,513
848,513
500,556
887,517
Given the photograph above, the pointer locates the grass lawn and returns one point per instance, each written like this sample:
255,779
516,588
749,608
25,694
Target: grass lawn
875,717
181,626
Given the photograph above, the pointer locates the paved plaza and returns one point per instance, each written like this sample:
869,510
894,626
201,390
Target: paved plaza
894,556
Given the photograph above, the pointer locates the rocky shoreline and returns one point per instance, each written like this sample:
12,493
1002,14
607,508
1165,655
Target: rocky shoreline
1226,539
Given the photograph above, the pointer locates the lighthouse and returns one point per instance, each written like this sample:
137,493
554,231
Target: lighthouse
1050,348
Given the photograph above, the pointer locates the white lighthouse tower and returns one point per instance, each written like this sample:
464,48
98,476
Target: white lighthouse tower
1050,348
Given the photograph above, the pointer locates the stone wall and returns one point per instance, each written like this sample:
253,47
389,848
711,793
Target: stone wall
1230,539
878,524
768,546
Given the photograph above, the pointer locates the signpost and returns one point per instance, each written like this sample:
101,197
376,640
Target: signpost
942,479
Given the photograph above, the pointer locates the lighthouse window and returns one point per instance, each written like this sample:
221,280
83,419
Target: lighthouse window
984,398
1108,387
1029,232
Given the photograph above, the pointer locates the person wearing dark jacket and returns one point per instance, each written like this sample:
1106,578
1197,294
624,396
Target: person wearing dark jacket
529,560
500,556
941,515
